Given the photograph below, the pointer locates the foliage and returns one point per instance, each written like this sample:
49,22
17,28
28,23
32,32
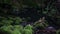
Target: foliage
27,11
10,20
17,29
28,29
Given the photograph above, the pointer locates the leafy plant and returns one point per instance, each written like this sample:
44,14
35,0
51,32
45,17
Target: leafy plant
17,29
28,29
18,20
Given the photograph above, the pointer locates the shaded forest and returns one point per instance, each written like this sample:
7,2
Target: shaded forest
29,16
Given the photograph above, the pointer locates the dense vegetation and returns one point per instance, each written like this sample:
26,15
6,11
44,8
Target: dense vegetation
29,17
